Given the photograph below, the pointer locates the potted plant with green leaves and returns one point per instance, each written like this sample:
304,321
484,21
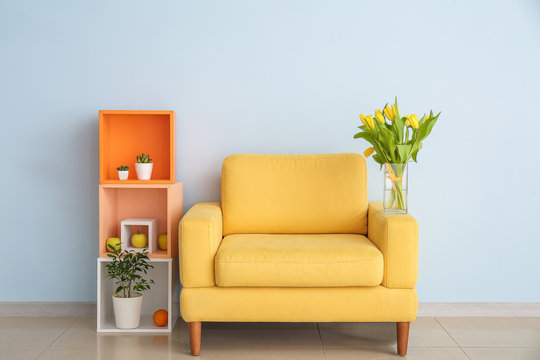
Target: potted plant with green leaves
123,172
144,167
127,270
395,140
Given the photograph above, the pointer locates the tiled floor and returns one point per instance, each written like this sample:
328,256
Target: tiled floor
430,338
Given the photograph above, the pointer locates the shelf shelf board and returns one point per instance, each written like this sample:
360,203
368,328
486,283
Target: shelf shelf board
147,326
136,185
138,112
156,254
120,182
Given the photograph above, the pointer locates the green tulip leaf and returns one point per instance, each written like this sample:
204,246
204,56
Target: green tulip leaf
399,125
365,136
379,159
415,152
429,126
403,151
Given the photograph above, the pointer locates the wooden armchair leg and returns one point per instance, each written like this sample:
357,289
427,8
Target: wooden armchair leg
195,337
402,337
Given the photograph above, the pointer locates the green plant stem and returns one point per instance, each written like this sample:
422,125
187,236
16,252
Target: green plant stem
400,196
390,200
396,192
379,145
413,144
396,196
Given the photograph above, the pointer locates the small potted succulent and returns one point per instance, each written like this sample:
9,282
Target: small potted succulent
144,167
123,172
127,269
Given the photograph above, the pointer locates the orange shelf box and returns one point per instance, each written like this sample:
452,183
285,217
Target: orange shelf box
124,134
122,201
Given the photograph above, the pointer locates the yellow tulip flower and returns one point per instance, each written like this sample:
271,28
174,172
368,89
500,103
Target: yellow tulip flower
367,121
413,119
395,110
369,151
379,116
389,112
407,123
363,118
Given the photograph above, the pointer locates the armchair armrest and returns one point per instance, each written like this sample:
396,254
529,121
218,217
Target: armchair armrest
396,236
199,234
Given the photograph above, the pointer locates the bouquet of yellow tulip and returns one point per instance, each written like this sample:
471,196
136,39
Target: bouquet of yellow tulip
395,139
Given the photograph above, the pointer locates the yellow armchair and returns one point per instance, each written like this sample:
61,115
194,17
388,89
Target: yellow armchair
294,239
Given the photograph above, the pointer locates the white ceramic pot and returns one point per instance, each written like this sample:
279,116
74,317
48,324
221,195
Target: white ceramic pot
123,175
144,170
127,312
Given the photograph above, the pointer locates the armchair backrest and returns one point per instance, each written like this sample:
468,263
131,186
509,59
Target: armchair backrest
294,194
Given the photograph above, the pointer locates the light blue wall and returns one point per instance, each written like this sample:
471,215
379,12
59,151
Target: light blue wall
275,77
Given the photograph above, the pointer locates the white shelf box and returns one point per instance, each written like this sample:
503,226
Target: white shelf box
164,294
125,234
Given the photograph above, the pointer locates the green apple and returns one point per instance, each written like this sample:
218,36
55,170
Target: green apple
162,241
113,243
139,240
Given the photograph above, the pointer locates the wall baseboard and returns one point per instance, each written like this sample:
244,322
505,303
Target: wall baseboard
48,308
425,309
487,309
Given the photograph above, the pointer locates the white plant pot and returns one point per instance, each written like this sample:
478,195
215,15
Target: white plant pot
144,170
127,312
123,175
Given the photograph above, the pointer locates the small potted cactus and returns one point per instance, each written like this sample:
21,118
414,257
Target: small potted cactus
123,172
144,167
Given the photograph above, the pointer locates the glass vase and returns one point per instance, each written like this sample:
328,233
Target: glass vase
395,188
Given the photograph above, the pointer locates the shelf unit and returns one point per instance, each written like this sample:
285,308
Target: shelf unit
124,134
123,201
164,294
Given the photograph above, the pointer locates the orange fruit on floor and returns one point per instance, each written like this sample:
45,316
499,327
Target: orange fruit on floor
161,317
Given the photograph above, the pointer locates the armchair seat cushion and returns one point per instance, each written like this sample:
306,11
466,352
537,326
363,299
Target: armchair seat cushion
298,260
